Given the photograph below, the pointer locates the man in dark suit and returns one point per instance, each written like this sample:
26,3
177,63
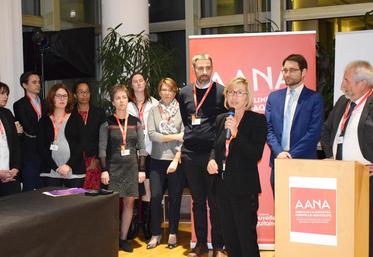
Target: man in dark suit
347,134
294,115
28,110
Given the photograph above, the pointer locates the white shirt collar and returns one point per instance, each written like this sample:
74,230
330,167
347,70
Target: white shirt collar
297,90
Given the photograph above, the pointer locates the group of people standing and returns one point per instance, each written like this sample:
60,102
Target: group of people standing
188,136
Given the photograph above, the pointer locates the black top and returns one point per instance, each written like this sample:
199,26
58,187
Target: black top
26,115
200,138
241,170
74,133
12,138
96,116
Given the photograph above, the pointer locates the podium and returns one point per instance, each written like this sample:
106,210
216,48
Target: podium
321,208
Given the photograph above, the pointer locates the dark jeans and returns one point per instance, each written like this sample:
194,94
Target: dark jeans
9,188
31,175
61,182
238,215
200,184
159,181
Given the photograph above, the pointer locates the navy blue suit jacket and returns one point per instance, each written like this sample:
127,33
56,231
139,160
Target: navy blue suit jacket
306,127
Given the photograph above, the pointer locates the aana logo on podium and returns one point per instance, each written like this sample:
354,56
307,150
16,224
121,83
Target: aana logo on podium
312,204
313,210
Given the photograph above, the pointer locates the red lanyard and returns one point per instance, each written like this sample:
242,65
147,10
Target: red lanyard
141,114
55,127
35,107
122,129
2,129
84,115
346,117
203,98
228,141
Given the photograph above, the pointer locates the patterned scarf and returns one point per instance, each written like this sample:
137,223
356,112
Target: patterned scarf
167,124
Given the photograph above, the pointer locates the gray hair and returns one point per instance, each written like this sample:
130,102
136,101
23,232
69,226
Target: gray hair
361,70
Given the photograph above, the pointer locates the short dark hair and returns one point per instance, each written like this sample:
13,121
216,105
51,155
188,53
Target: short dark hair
4,88
26,75
52,93
75,86
298,58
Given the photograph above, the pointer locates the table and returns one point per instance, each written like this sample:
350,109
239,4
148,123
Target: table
36,225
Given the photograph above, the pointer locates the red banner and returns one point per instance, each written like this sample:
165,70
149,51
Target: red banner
257,57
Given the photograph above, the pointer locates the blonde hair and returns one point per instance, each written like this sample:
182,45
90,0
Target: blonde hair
168,82
249,96
201,57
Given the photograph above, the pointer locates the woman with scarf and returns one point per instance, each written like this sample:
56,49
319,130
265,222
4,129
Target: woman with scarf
165,128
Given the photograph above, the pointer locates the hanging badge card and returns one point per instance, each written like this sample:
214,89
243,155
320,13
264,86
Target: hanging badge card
195,120
124,151
53,147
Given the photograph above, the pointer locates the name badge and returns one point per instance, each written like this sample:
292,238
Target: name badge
53,147
340,140
195,120
124,151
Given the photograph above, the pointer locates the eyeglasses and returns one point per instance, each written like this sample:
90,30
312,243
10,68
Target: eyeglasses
237,93
61,96
83,92
291,70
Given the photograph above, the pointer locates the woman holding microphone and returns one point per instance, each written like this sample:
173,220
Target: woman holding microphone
234,160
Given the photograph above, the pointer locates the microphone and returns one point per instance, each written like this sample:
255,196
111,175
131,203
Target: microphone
228,131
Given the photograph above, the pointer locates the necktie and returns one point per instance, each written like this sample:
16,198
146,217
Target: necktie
285,140
338,155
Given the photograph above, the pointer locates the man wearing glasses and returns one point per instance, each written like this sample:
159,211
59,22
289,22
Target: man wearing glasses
294,115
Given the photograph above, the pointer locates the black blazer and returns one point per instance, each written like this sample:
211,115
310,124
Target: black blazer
12,138
241,170
25,114
74,132
96,117
365,128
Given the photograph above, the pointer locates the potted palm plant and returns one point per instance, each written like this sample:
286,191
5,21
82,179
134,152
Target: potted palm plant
122,55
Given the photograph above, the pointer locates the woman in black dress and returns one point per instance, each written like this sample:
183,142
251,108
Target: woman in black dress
234,160
121,137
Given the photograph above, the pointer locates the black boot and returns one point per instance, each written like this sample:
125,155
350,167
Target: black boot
146,220
133,230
